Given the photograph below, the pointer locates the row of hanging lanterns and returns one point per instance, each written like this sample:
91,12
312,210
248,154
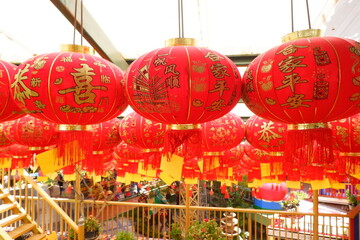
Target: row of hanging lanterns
182,96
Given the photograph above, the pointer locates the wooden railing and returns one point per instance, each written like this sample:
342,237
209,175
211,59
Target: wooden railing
38,204
158,221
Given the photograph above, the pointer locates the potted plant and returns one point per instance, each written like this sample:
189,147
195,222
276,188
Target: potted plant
92,228
176,232
123,235
352,198
207,229
292,200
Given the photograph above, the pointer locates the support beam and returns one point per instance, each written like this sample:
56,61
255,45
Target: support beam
92,32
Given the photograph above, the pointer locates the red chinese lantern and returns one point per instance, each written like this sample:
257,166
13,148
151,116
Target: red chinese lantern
268,136
305,83
128,157
218,136
74,90
4,141
146,134
105,137
37,134
346,133
20,155
8,108
233,158
182,85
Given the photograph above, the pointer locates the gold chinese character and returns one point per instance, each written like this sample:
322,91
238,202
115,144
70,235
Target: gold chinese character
213,57
160,61
101,65
218,70
290,81
83,91
105,79
290,63
39,63
171,69
296,101
266,132
66,59
18,84
39,104
220,86
173,81
35,82
290,49
1,73
59,99
216,105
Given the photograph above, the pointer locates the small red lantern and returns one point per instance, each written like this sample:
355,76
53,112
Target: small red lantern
128,157
218,136
272,191
182,85
20,155
8,108
74,90
4,141
146,134
305,83
37,134
346,133
105,137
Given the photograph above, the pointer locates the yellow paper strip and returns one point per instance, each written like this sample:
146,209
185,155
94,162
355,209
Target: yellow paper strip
293,184
70,177
191,180
320,184
265,169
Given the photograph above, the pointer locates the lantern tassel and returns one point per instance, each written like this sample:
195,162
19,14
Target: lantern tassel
183,137
309,145
73,145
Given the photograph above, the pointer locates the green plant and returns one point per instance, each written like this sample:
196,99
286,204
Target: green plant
125,236
207,229
176,232
92,224
292,200
352,198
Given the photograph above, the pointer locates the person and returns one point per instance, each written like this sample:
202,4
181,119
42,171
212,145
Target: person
60,183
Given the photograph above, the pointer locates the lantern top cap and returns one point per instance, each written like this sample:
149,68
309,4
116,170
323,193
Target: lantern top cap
76,48
180,42
307,33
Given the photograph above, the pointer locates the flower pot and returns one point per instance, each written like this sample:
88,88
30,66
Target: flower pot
91,235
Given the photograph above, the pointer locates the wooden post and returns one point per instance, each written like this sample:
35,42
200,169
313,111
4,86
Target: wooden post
77,189
187,208
316,212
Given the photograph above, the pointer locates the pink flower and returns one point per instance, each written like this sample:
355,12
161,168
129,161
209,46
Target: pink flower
206,220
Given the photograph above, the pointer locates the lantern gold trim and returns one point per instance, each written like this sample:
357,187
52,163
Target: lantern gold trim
183,126
40,148
149,150
76,48
19,156
307,33
350,154
213,154
97,152
74,127
276,154
180,42
306,126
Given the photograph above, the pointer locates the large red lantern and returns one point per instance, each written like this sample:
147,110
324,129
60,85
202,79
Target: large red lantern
74,90
8,108
19,154
146,134
182,85
37,134
346,133
305,83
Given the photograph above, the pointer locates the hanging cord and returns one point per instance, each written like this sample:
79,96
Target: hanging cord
82,21
292,16
308,13
75,22
181,19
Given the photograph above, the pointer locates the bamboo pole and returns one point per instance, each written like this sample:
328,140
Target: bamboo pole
187,208
316,214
